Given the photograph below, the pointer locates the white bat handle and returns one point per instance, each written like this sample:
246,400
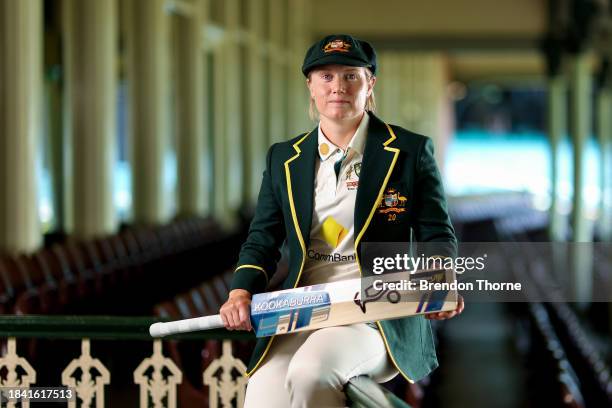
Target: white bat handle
186,325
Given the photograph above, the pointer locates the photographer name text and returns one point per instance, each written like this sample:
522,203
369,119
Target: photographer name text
481,284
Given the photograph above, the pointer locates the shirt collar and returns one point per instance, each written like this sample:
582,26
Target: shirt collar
357,142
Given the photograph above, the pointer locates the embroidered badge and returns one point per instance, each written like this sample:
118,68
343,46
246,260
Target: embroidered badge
349,173
324,148
352,185
392,203
353,170
336,46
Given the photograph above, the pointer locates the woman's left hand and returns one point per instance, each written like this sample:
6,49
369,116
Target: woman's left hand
449,314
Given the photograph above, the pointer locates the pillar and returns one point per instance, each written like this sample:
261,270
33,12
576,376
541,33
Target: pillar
604,110
257,141
556,120
299,41
411,92
580,130
233,112
147,36
92,74
190,114
21,25
277,73
422,101
580,127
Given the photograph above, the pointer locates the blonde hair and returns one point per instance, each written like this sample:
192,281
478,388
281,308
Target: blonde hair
370,105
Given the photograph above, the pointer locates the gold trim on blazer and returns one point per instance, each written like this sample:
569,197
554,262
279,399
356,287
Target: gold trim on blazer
365,227
297,231
259,268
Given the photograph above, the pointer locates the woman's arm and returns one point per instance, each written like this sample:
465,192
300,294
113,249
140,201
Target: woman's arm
431,221
434,231
258,256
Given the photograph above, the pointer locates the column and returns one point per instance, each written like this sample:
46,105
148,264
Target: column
220,141
92,73
147,35
299,42
580,129
54,110
386,89
190,114
234,152
604,131
604,110
556,120
21,25
411,92
580,115
257,141
277,74
421,98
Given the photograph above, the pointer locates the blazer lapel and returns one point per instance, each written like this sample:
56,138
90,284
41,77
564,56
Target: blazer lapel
379,157
300,170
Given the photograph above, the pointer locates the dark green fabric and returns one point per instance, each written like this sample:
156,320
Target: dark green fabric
338,166
351,51
414,176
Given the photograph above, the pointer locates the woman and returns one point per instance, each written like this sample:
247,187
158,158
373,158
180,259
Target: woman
320,195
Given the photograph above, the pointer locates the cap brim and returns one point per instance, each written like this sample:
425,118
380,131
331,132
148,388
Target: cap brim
332,59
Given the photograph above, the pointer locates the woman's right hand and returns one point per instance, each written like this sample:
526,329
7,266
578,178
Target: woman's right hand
236,311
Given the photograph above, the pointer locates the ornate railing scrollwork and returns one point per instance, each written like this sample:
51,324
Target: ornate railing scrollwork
13,364
224,385
93,377
149,375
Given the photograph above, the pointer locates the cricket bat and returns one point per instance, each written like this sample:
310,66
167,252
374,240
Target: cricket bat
380,297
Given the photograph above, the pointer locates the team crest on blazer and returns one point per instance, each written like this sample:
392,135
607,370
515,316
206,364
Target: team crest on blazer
392,203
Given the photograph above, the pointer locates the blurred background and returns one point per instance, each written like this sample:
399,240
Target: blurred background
133,136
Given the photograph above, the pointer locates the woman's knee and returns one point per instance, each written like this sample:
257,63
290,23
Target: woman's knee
312,374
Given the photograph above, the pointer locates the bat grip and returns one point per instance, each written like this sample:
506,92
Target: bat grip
186,325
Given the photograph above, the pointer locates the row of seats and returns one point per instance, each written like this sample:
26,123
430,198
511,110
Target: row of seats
591,368
566,368
565,361
192,357
595,381
552,379
478,208
499,217
134,268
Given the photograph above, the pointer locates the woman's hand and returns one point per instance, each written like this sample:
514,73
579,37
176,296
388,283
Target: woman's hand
450,313
236,311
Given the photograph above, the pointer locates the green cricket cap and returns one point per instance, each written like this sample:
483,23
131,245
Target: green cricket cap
341,49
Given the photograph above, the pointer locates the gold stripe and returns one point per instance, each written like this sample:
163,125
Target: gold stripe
249,373
391,355
259,268
365,227
298,232
292,205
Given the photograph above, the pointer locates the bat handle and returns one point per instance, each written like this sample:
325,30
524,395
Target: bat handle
186,325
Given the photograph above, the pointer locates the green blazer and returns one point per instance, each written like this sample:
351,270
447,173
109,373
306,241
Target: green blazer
394,158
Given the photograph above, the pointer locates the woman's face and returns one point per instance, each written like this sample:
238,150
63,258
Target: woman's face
340,92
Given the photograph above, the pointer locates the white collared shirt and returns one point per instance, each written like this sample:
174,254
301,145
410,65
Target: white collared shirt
331,254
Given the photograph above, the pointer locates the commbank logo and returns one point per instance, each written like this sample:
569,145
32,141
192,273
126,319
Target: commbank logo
333,232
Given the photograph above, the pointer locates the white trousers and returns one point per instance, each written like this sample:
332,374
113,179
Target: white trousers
310,369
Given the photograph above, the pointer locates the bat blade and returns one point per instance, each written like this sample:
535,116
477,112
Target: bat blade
334,304
349,302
